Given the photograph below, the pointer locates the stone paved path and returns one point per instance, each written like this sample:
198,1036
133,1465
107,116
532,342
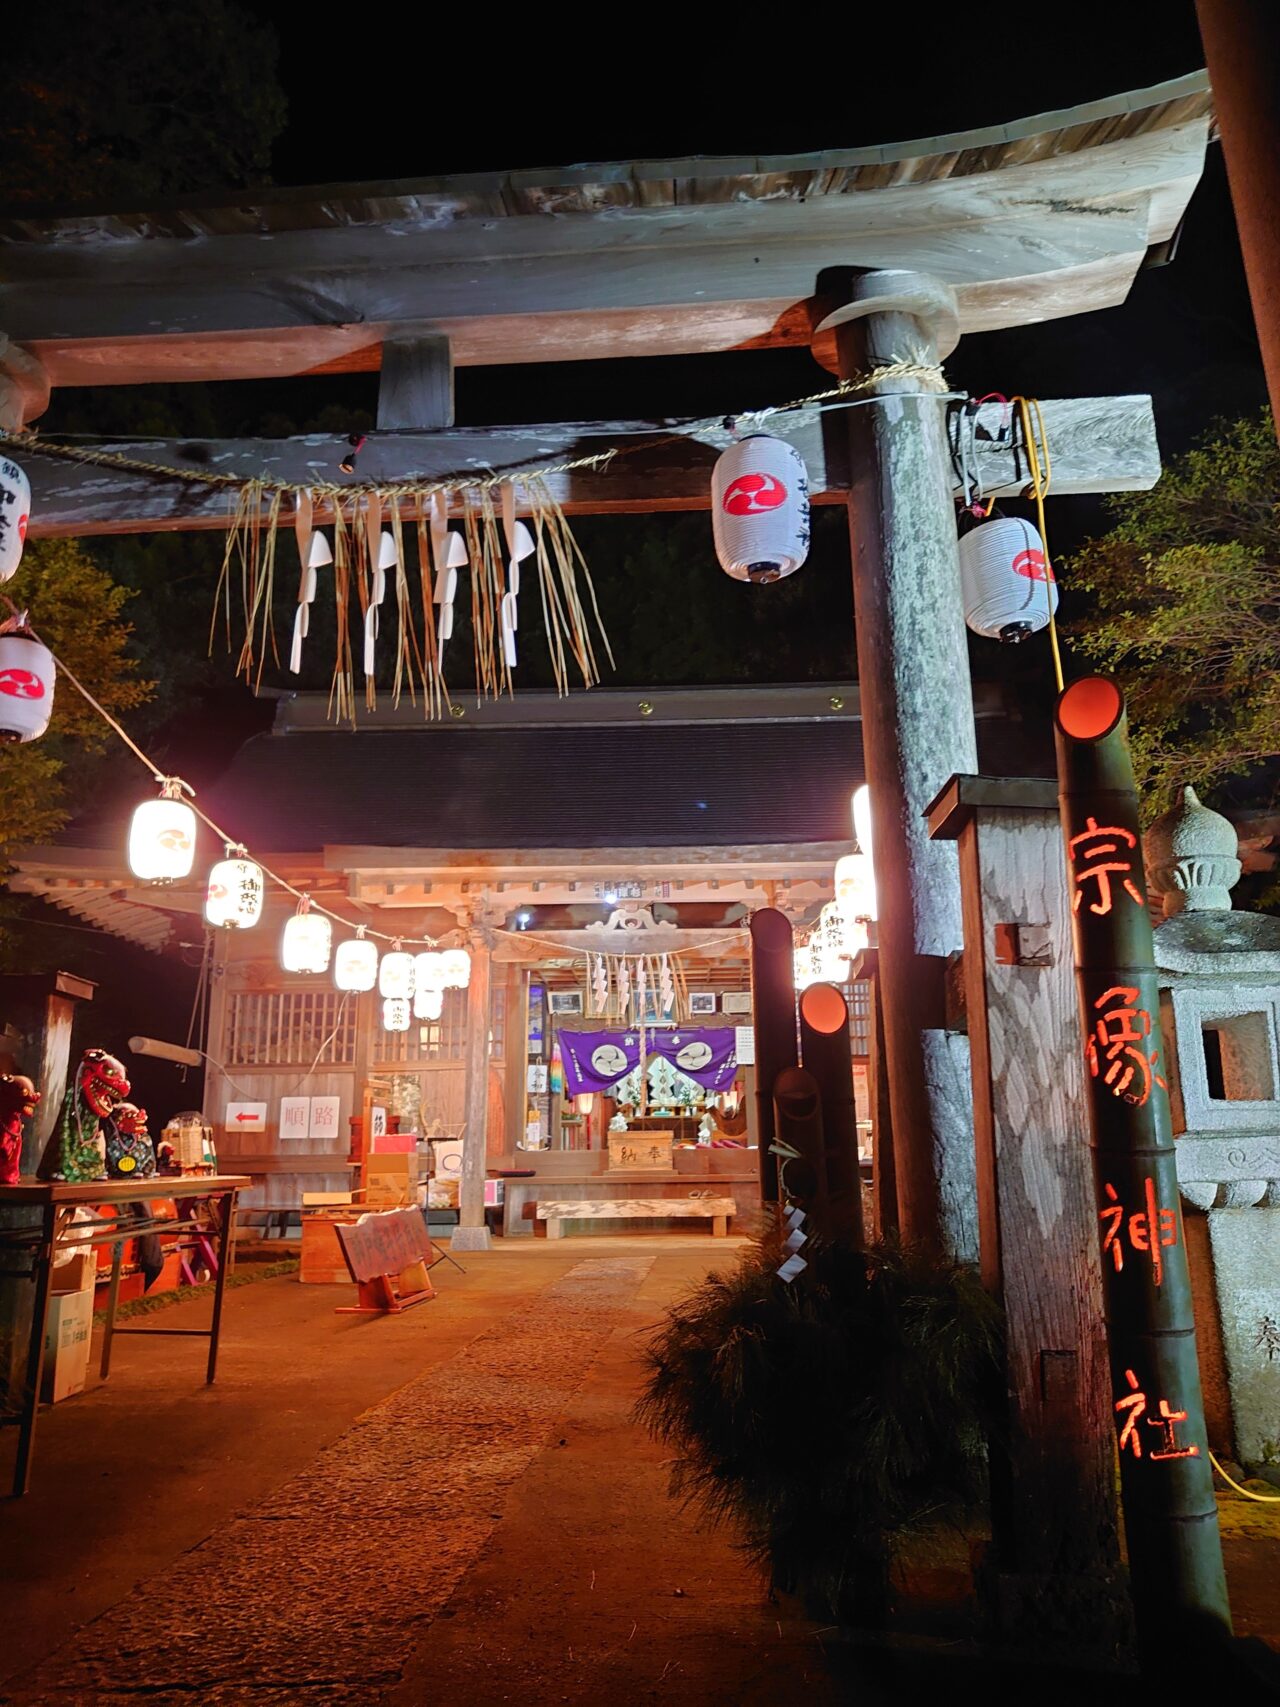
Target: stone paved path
317,1594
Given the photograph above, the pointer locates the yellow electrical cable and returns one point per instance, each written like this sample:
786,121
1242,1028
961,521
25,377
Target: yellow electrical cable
1262,1499
1041,475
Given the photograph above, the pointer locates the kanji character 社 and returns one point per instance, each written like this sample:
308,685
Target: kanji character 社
1135,1403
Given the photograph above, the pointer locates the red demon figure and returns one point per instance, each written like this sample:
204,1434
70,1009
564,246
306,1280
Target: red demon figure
18,1099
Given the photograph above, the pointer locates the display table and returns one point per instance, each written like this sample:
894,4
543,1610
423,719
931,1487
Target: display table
56,1204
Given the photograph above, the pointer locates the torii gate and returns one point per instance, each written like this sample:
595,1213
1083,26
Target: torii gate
1014,224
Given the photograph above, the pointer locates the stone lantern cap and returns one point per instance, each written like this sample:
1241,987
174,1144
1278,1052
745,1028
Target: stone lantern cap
1192,858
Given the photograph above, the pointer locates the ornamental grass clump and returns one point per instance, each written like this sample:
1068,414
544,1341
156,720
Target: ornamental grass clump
826,1417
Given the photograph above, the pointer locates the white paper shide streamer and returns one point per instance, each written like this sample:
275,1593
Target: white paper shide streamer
449,554
760,509
314,553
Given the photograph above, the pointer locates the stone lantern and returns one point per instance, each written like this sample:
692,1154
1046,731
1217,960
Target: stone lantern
1220,1017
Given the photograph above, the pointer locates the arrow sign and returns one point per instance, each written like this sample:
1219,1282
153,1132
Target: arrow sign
246,1117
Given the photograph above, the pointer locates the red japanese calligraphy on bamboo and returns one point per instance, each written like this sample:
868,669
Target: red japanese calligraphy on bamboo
1170,1514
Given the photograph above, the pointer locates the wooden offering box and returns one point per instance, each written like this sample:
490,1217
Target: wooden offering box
640,1152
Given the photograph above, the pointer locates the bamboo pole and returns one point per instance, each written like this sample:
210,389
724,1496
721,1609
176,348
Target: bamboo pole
1170,1515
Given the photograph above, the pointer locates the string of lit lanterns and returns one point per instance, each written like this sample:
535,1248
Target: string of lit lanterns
161,849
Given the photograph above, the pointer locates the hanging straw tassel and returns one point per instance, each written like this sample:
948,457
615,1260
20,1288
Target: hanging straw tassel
342,702
493,545
433,551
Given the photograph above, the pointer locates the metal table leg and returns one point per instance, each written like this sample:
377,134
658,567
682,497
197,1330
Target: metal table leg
35,1349
113,1298
225,1210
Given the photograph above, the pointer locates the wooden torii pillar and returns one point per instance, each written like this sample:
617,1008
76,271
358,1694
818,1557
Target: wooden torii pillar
917,726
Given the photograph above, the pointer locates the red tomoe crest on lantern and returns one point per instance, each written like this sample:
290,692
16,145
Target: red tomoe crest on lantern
750,494
1032,566
21,684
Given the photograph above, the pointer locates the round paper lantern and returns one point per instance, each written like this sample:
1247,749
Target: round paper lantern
355,965
233,897
27,675
162,836
395,1013
855,887
760,509
428,1003
15,508
307,940
456,967
428,970
395,974
1008,587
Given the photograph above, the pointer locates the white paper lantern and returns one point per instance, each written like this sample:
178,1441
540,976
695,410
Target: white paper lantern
855,887
395,974
1008,587
428,970
233,898
15,510
307,940
832,954
395,1013
162,836
27,676
355,965
428,1003
456,968
760,509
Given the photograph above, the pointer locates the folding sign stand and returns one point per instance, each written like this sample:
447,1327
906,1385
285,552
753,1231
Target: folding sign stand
381,1253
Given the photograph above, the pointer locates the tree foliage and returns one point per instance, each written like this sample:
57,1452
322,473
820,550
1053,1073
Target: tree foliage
132,103
1185,590
77,610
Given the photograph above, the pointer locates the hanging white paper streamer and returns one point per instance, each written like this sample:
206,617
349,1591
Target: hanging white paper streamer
519,546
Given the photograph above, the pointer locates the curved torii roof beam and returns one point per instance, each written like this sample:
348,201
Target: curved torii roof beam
1029,221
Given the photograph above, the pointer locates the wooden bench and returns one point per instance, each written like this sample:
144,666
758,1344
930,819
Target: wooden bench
717,1210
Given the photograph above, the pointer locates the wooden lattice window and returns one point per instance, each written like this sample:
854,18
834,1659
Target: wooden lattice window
443,1039
290,1028
860,1019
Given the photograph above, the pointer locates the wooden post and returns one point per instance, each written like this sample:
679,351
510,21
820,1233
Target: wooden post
471,1233
1242,45
1053,1571
917,728
884,1180
517,1093
415,387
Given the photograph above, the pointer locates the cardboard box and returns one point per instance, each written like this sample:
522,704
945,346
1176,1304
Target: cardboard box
390,1182
66,1346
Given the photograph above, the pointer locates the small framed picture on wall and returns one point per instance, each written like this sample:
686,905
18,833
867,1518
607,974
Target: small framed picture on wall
565,1001
702,1002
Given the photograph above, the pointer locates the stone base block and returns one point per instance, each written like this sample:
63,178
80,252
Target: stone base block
470,1239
